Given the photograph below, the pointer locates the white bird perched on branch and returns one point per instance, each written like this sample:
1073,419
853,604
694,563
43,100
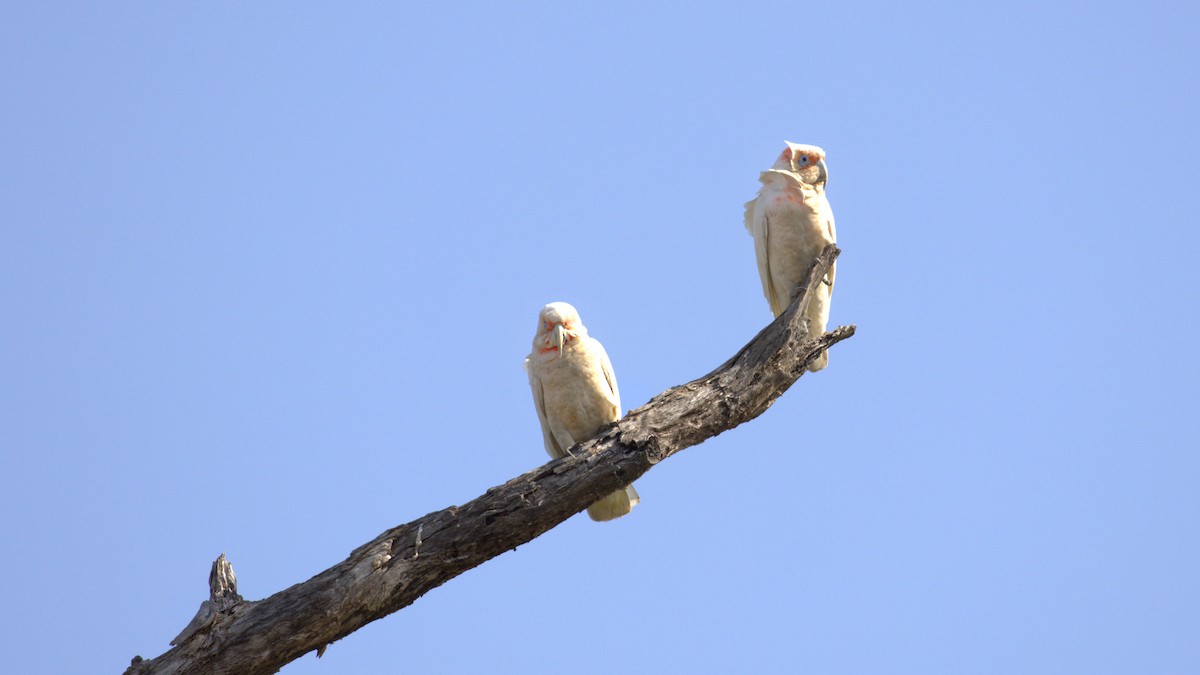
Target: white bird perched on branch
574,392
791,223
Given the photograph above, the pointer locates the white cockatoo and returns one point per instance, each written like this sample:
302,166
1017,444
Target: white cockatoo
574,392
791,223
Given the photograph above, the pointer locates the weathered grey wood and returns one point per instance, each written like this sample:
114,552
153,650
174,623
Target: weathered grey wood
222,595
231,635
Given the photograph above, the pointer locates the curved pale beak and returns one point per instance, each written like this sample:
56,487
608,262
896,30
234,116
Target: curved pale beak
557,337
823,173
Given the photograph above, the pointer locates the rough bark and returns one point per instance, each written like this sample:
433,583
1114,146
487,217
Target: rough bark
232,635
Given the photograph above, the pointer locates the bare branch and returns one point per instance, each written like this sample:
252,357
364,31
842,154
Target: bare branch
222,595
231,635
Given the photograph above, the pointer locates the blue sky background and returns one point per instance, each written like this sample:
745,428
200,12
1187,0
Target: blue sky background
268,273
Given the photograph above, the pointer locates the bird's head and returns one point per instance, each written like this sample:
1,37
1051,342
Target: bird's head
558,325
807,161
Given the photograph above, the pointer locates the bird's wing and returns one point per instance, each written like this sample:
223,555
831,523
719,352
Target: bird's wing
832,232
748,216
614,394
761,229
759,225
539,404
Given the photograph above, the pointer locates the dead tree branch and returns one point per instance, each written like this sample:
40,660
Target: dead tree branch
232,635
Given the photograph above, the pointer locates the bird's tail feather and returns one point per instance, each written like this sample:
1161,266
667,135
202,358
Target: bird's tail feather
614,505
819,363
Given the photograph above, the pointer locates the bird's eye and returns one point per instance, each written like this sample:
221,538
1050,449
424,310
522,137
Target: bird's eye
803,159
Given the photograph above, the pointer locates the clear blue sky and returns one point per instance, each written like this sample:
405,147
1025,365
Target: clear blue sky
267,276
